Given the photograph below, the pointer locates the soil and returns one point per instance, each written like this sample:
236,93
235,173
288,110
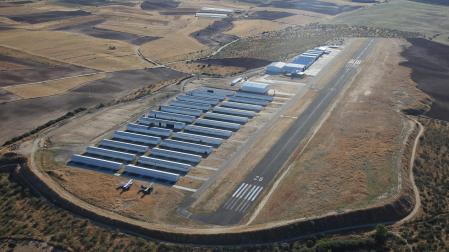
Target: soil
43,17
213,35
269,15
159,4
429,62
21,116
89,28
34,71
246,63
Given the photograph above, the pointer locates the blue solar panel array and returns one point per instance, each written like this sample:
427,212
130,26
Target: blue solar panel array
164,144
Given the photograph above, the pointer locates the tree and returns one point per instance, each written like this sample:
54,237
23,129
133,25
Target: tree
381,234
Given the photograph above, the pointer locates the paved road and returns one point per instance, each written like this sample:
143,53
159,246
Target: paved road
246,194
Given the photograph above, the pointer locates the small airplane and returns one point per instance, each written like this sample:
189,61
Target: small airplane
146,189
126,186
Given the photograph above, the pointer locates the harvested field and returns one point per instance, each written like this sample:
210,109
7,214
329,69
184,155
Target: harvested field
308,5
159,4
18,70
81,50
246,63
430,64
90,29
43,17
21,116
213,35
354,159
48,88
167,49
269,15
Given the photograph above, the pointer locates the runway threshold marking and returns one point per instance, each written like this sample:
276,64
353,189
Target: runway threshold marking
242,197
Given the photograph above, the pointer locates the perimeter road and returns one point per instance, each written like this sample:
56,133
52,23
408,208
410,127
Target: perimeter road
245,194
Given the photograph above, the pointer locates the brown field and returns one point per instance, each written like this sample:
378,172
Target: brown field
167,48
245,28
352,165
74,49
52,87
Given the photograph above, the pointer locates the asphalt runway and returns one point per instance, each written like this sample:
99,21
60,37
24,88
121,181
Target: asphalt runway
248,193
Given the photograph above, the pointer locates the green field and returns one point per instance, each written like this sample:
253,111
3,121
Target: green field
429,19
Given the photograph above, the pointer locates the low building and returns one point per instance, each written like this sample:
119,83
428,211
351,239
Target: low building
255,87
275,68
211,15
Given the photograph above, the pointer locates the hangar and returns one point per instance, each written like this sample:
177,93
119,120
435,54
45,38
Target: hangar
151,173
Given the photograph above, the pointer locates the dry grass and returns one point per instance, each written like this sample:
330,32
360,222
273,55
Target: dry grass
245,28
74,48
352,161
52,87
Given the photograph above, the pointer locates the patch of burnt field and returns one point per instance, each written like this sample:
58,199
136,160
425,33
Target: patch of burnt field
306,5
159,4
96,2
21,116
246,63
89,28
269,15
34,71
213,34
429,62
43,17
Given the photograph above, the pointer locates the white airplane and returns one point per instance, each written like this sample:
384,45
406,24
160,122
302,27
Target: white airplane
126,186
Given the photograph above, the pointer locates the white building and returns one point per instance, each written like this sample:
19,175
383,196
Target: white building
255,87
275,68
